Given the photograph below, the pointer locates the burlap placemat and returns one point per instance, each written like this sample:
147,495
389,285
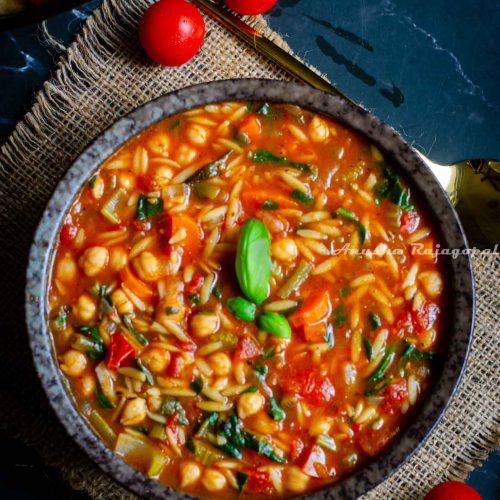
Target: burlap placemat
102,76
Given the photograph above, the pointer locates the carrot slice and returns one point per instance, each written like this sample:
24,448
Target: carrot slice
191,243
135,285
313,310
253,199
252,128
315,333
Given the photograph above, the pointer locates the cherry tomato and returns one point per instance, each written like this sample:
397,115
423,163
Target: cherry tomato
311,385
395,393
425,317
403,325
172,31
453,490
247,350
250,7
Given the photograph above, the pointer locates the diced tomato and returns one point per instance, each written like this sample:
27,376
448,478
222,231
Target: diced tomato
247,350
315,333
119,351
191,243
313,461
258,481
142,225
175,367
311,385
314,309
296,448
425,317
403,326
395,393
195,284
68,234
409,222
252,128
189,346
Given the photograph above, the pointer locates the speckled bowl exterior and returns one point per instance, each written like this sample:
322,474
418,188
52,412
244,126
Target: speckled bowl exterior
458,273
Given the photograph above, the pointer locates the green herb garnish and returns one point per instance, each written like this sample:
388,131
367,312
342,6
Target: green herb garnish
274,410
193,298
241,308
262,156
171,406
127,322
91,181
269,205
149,376
374,321
368,347
276,324
208,171
351,216
101,398
339,315
302,197
197,385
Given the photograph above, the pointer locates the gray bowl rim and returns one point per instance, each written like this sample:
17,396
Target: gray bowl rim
408,163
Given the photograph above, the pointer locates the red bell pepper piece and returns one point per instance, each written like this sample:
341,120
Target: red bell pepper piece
258,482
175,367
119,350
311,385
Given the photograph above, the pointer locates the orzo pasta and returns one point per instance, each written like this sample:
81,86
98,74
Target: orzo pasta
236,304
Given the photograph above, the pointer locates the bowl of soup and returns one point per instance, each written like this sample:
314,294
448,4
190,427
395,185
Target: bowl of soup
240,290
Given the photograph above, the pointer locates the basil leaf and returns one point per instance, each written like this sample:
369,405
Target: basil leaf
241,308
253,260
302,197
275,324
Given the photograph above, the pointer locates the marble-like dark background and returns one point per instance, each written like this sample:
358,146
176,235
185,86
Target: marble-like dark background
431,68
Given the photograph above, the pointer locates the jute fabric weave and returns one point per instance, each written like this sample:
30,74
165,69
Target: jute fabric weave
102,76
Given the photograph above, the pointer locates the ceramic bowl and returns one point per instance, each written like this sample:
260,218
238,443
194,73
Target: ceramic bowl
424,186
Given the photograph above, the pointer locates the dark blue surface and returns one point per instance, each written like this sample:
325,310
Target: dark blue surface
431,69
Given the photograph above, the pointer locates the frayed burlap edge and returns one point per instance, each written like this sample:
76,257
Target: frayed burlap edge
41,146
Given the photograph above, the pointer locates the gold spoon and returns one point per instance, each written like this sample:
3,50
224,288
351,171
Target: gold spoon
472,185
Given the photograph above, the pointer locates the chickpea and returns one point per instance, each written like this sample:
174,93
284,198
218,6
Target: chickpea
205,324
134,412
73,363
86,307
432,283
213,480
320,425
263,424
190,473
159,143
156,359
318,130
197,134
147,266
117,258
249,404
162,176
94,260
284,250
122,303
126,180
66,269
154,403
295,480
87,385
186,154
221,364
97,188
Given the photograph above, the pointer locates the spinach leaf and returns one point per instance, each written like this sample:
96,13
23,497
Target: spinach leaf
171,406
101,398
149,376
127,323
253,260
302,197
274,410
262,156
208,171
148,207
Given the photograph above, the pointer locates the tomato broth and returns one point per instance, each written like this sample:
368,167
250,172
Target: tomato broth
237,305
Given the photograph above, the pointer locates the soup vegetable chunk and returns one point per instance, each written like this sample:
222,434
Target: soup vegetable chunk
237,301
